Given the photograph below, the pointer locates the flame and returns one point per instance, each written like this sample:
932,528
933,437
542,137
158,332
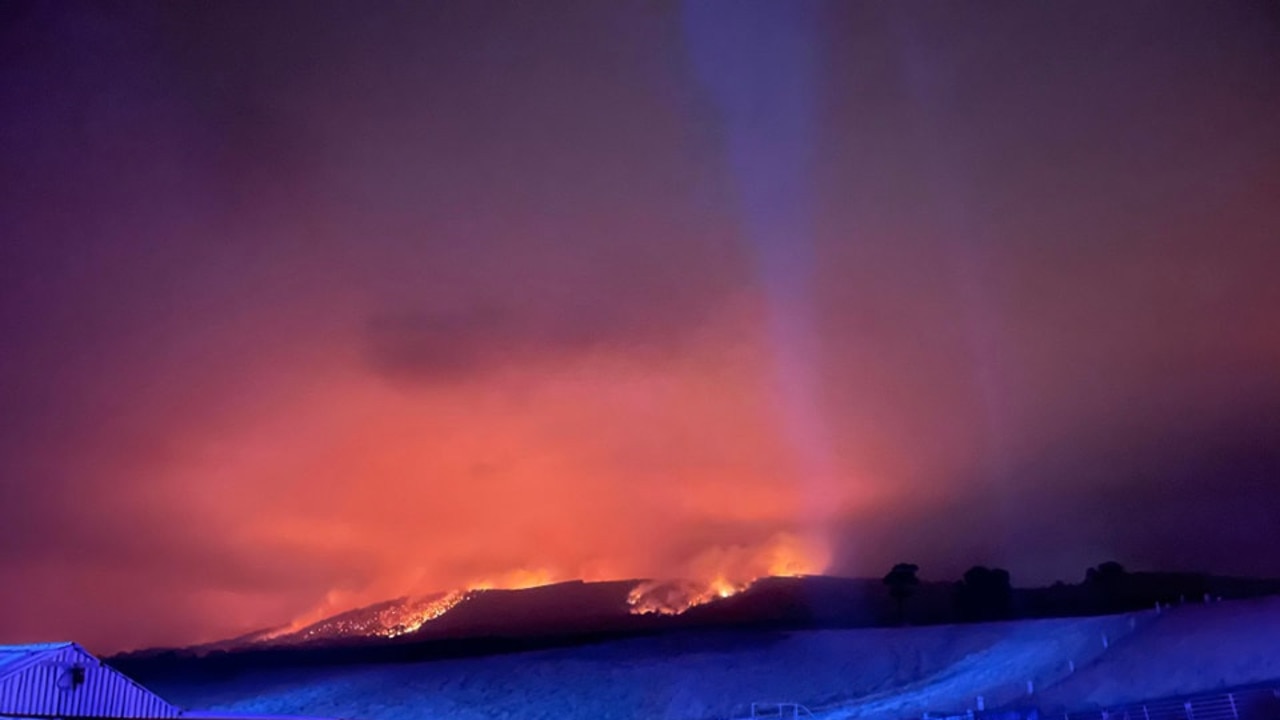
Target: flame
389,620
731,571
722,588
409,620
672,597
726,571
336,618
335,602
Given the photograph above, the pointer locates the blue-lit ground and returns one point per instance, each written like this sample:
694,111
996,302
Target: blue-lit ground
881,673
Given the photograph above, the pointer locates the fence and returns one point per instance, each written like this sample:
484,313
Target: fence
779,711
1248,704
1255,703
1017,701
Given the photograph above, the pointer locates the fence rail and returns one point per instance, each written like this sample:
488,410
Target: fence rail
1253,703
779,711
1017,701
1247,704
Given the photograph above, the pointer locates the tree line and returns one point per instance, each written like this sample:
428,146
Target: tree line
986,594
983,593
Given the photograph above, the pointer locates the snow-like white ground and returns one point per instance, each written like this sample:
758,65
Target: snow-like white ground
885,673
1189,649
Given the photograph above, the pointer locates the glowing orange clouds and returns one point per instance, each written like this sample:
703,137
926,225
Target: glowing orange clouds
608,469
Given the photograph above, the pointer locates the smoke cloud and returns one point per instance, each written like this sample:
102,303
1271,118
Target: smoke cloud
320,304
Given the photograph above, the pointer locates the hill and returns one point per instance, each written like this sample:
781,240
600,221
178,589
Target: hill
481,622
888,673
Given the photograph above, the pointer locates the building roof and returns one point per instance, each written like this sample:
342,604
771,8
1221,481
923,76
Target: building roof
29,690
63,680
16,657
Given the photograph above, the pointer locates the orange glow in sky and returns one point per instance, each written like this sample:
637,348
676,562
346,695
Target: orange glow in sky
307,308
603,470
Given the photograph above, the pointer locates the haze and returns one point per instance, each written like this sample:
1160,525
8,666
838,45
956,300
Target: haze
305,305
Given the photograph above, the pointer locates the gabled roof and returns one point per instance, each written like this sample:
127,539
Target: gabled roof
63,680
16,657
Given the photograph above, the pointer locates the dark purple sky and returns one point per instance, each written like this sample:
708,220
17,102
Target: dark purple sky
304,305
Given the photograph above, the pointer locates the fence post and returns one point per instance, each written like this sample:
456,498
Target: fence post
1146,715
1232,698
1187,706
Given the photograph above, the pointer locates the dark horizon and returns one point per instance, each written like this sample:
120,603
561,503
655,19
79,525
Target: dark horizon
312,304
574,613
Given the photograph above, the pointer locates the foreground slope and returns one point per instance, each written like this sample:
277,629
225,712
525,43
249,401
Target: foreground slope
1189,649
839,673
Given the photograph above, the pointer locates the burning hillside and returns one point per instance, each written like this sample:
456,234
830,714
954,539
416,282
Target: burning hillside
672,597
489,621
408,615
390,619
559,607
730,573
489,605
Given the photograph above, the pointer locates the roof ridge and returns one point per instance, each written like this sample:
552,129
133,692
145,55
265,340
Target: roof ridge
34,647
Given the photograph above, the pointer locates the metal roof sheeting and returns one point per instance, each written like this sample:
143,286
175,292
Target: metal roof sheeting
13,657
63,680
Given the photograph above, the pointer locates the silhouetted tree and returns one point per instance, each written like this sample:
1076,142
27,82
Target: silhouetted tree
1108,572
902,582
1105,583
984,594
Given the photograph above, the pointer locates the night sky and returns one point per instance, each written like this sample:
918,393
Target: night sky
307,305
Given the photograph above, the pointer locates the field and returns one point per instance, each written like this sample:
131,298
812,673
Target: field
1070,663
